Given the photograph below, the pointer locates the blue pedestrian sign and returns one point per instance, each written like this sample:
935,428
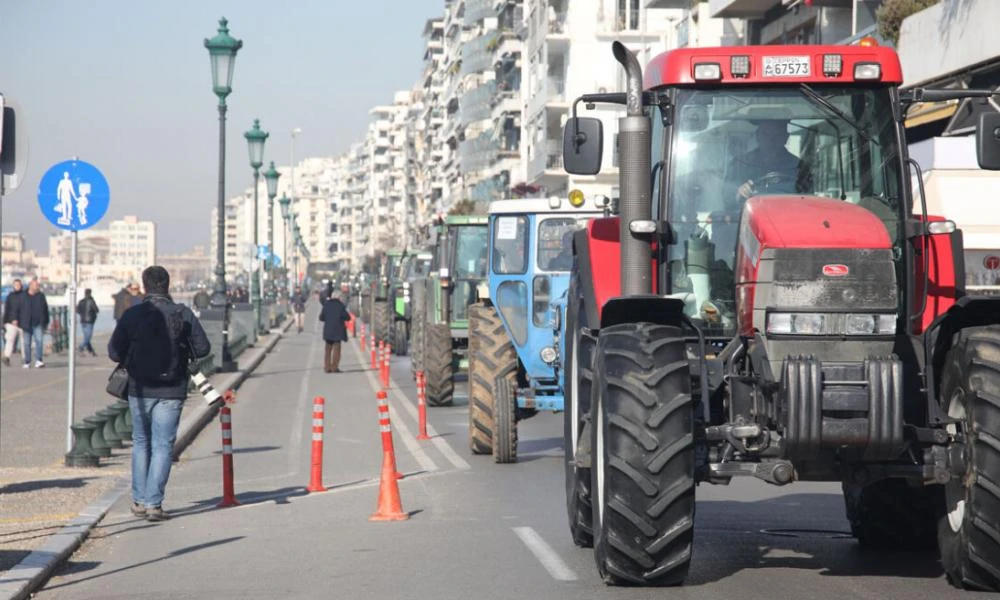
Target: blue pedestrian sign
262,252
73,195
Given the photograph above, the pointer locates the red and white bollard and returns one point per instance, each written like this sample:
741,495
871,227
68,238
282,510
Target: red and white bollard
422,405
316,472
228,495
372,340
385,366
362,337
385,427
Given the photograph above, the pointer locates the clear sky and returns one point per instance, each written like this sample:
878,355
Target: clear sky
126,85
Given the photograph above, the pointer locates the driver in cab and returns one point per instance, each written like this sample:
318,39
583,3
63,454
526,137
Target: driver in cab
768,168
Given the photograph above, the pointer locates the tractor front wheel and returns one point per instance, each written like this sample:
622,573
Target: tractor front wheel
968,532
437,363
642,478
382,321
399,341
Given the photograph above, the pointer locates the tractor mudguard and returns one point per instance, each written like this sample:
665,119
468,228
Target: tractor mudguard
968,311
644,309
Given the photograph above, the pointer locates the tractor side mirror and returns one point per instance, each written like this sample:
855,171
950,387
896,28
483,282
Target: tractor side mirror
988,141
583,145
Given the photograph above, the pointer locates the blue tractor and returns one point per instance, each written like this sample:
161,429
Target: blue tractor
514,353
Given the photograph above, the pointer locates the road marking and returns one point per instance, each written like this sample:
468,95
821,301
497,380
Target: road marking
438,441
31,390
408,438
298,432
36,519
558,569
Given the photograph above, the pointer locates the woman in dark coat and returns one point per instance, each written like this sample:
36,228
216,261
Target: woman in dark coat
334,316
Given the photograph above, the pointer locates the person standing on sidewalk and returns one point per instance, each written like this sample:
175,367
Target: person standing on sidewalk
33,319
334,316
87,309
299,307
11,328
155,340
120,303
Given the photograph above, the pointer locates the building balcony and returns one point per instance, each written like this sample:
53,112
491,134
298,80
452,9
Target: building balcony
667,4
477,10
740,9
555,96
477,54
475,104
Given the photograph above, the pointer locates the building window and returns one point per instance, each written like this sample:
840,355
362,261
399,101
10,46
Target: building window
627,14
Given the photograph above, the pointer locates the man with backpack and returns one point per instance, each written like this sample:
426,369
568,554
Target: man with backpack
156,340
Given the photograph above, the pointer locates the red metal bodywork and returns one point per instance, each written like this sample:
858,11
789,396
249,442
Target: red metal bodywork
676,67
942,289
813,223
605,260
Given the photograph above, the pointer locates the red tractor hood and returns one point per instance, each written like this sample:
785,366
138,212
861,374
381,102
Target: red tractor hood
809,222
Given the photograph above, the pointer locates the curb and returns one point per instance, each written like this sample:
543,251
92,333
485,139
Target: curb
27,576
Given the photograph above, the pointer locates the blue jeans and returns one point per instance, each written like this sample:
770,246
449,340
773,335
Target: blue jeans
88,332
31,336
154,429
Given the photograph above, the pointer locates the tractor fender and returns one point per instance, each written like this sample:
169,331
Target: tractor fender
968,311
644,309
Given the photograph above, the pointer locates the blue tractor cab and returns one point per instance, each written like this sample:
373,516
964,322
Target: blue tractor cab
514,353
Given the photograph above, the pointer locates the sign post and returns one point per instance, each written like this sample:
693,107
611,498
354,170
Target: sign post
73,195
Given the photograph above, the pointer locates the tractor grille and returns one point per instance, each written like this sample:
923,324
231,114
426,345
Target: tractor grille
827,279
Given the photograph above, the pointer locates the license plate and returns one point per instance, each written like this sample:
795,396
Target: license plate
786,66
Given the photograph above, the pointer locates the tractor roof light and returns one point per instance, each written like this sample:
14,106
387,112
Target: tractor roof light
867,72
739,66
576,198
554,202
707,72
868,42
833,65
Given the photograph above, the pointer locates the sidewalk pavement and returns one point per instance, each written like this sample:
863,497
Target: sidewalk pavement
47,509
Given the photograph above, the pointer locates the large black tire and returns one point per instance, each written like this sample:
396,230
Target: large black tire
418,314
399,341
366,308
505,417
642,477
969,530
891,515
382,325
577,384
438,368
491,356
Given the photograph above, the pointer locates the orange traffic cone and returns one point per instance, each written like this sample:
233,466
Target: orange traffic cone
390,507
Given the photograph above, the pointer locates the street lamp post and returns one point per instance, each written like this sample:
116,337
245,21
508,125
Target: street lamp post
222,51
271,176
255,144
285,214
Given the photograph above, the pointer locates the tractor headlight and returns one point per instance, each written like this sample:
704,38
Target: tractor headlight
548,355
845,324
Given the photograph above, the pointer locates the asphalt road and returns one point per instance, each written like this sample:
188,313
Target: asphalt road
477,530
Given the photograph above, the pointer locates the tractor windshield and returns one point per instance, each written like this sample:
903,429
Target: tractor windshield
470,267
734,143
555,242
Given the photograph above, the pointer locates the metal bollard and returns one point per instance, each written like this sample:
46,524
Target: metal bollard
123,423
97,442
110,435
82,454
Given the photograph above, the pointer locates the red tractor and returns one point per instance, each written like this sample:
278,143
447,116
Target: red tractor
772,300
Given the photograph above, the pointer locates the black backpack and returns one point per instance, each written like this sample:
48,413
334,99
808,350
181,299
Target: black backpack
158,346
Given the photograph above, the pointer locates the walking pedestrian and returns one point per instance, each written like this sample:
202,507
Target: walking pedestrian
87,309
155,340
11,326
334,316
33,317
134,296
299,307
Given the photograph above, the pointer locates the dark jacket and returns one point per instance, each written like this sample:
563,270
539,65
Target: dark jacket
12,306
87,309
299,302
120,304
192,342
33,310
334,314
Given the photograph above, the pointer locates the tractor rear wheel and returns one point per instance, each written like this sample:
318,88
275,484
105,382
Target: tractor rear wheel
968,532
399,340
437,363
505,434
417,315
491,355
642,478
891,515
576,393
382,321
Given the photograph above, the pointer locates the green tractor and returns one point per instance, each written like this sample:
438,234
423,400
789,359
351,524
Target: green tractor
440,303
380,298
413,266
